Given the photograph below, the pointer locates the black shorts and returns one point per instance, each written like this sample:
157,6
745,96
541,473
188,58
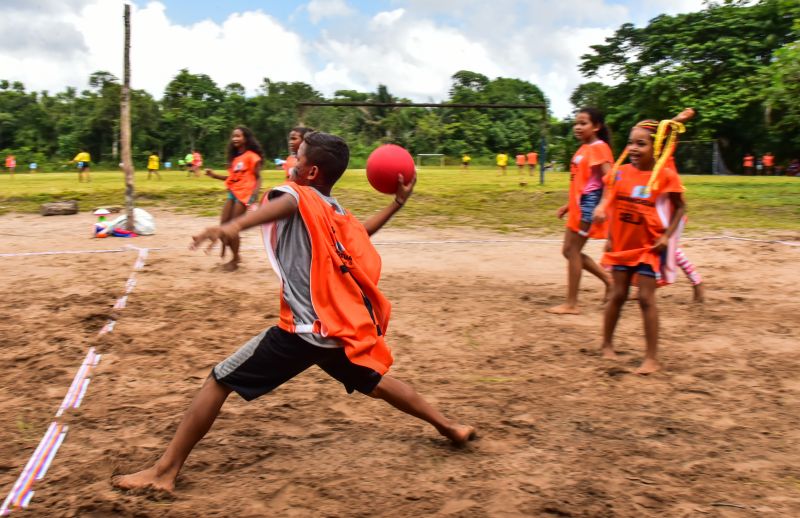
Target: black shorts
275,356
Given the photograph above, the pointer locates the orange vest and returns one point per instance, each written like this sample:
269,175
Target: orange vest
768,160
748,160
533,158
588,155
638,220
242,176
520,159
345,269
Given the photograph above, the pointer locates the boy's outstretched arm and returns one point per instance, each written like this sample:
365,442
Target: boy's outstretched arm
380,218
279,208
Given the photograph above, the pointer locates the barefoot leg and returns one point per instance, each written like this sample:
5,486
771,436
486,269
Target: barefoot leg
619,293
573,244
595,269
237,209
699,293
195,424
403,397
227,211
647,302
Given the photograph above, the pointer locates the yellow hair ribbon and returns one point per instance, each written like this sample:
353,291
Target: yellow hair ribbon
613,179
664,142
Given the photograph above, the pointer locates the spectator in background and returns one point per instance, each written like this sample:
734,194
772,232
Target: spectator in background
769,163
747,164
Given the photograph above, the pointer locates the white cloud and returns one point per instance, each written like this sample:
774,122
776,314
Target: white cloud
320,9
245,48
413,49
386,18
413,58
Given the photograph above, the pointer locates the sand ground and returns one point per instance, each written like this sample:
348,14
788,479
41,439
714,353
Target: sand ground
562,432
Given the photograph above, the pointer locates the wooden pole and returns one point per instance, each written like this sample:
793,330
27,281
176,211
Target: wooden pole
125,122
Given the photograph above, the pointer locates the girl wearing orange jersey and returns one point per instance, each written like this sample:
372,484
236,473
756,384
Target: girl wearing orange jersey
589,165
645,201
243,182
295,139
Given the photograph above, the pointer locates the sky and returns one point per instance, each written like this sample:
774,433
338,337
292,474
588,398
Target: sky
411,46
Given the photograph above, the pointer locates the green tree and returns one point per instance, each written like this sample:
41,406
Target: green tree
712,60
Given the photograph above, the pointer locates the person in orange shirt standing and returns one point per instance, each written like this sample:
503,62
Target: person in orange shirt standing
589,165
243,182
533,161
520,160
295,139
197,162
747,164
769,163
646,208
11,164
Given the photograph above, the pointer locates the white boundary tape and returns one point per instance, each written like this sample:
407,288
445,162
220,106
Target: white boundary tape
22,492
140,262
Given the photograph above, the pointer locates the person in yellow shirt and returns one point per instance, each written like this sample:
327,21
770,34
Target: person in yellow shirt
465,160
83,159
152,166
502,163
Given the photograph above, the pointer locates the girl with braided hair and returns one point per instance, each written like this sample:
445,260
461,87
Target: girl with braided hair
645,202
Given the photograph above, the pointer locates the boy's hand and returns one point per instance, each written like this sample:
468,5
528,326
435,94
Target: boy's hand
561,211
210,173
661,244
404,190
225,233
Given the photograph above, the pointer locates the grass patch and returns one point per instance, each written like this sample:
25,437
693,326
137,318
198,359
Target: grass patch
444,197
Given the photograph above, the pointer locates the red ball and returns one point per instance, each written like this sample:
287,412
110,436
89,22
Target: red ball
385,163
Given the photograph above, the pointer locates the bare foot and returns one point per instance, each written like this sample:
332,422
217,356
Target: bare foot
699,293
564,309
459,434
648,366
230,266
609,353
145,479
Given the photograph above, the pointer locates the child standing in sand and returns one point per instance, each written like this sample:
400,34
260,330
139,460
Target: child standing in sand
295,139
337,322
646,207
243,182
589,165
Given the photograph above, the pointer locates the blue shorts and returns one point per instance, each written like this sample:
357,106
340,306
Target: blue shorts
589,202
639,269
234,198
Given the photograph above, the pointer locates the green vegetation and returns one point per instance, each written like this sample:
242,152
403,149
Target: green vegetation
735,61
445,197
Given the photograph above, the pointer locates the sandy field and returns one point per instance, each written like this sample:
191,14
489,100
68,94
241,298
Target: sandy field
561,432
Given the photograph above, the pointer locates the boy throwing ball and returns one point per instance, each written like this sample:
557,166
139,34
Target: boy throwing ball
332,313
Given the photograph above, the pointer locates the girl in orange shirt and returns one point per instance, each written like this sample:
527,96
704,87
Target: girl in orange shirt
589,165
243,182
295,139
645,202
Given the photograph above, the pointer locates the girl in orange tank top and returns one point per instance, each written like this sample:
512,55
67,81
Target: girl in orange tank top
243,182
589,165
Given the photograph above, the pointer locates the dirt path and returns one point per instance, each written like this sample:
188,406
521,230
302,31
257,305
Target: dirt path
562,433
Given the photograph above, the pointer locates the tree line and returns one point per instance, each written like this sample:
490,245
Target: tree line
737,62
